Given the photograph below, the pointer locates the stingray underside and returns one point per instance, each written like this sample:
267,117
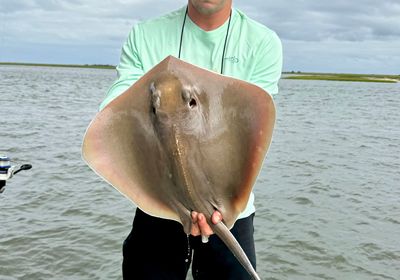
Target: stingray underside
207,153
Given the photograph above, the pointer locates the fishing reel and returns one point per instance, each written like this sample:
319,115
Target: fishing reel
7,170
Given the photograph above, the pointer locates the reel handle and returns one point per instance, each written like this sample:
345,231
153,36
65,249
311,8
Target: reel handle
23,167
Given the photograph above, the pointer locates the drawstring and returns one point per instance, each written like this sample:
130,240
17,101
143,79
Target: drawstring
225,43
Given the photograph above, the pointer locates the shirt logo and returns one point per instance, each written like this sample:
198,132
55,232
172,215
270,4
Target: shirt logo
232,59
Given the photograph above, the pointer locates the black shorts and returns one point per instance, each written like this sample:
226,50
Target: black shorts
158,249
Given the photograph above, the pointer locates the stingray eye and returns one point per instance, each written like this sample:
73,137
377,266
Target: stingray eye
192,103
155,98
188,93
155,104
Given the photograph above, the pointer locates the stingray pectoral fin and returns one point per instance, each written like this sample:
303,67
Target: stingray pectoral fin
120,145
226,155
245,127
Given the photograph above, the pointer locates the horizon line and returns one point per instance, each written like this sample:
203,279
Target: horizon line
110,66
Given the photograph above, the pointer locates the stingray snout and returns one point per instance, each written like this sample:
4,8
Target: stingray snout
172,98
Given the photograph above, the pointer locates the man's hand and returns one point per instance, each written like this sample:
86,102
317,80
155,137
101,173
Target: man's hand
200,225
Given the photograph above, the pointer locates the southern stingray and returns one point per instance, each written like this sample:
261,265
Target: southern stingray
184,139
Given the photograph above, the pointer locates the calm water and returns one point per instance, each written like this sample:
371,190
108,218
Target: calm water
328,197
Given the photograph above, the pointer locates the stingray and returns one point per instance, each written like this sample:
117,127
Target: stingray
184,139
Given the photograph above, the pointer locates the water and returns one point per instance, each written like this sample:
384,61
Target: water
328,198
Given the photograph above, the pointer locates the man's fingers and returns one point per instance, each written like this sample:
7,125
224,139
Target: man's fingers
205,229
195,231
200,225
216,217
194,217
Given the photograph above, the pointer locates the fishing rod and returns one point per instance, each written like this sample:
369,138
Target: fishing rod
7,171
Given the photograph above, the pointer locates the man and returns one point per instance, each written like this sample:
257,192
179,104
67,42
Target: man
212,35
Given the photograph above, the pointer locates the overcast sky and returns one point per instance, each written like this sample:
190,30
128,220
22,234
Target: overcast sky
358,36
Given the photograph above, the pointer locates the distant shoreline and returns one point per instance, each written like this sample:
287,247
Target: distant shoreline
96,66
372,78
375,78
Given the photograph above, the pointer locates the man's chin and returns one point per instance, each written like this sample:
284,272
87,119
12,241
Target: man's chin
208,7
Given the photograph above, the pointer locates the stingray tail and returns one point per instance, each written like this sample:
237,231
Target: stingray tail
230,241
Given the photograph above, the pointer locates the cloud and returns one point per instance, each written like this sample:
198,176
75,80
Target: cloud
74,22
334,36
339,35
323,20
342,56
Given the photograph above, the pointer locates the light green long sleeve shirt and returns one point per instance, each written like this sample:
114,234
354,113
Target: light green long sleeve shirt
253,53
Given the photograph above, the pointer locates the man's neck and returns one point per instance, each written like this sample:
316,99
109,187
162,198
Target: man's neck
209,22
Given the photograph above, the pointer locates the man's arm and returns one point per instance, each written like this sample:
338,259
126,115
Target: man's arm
268,68
129,69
